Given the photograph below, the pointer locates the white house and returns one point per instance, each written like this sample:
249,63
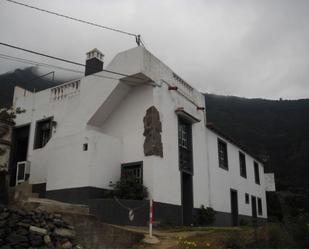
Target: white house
143,120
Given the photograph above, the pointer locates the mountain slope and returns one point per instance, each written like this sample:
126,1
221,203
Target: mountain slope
277,131
26,78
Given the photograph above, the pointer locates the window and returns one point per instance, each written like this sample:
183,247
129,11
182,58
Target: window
43,132
247,198
260,211
85,147
134,170
185,146
222,154
242,164
256,173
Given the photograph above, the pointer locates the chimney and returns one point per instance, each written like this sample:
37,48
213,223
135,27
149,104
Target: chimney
94,62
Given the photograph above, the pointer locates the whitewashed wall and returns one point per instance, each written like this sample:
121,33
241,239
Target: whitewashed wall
108,115
221,180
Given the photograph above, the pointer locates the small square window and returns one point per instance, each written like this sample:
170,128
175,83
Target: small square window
247,198
43,132
134,170
85,147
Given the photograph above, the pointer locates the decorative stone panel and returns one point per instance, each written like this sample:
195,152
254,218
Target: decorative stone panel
152,132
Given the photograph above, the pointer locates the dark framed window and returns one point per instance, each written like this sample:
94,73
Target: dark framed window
222,154
132,170
247,199
256,173
260,210
242,165
85,147
185,146
43,132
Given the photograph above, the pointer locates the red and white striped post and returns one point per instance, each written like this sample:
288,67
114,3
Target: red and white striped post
150,217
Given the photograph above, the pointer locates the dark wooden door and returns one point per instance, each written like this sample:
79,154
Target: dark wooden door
253,205
234,207
187,198
186,169
19,150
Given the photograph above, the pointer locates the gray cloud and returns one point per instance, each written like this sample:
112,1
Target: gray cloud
247,48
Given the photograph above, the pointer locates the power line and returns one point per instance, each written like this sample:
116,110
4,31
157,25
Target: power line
41,76
65,60
137,37
35,63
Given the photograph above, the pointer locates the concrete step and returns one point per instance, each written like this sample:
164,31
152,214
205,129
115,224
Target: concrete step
21,192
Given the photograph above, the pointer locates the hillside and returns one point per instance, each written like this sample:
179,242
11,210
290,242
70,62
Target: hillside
26,78
277,131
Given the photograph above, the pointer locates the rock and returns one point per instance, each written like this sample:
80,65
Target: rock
57,216
38,230
22,231
65,233
5,247
67,245
47,239
21,224
3,223
36,240
70,227
50,225
26,220
58,222
4,215
2,233
78,247
21,212
15,239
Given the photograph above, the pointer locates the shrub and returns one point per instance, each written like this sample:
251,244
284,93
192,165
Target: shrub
234,241
129,188
205,216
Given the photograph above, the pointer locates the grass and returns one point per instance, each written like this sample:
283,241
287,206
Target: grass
215,238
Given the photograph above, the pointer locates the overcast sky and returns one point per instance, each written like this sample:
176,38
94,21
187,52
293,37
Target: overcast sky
246,48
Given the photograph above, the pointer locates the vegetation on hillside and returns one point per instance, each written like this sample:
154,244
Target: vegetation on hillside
277,131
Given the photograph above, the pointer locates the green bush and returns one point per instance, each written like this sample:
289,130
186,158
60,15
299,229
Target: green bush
234,241
130,189
299,230
244,222
205,216
277,237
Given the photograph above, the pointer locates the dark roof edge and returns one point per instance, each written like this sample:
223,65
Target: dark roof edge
216,130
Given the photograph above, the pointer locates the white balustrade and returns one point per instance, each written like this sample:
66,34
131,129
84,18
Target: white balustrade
66,90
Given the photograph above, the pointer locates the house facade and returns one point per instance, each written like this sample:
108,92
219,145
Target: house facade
135,117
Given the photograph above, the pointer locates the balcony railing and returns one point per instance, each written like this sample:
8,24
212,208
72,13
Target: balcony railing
65,91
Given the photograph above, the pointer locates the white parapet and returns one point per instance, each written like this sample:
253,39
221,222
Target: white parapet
270,182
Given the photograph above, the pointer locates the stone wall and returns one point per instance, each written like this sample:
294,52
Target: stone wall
5,144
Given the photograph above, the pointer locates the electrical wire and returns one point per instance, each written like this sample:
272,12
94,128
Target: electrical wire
72,18
65,60
35,63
